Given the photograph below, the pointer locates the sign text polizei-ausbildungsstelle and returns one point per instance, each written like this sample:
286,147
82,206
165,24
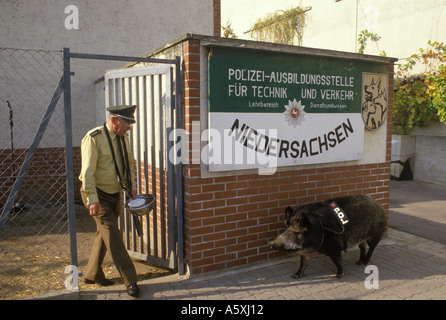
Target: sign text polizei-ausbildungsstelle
271,109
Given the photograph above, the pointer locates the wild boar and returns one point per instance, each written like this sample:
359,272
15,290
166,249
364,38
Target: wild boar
331,226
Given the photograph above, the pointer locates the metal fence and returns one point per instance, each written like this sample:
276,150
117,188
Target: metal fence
34,236
38,250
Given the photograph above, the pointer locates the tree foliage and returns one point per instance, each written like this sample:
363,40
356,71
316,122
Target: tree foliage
228,32
422,97
363,36
281,26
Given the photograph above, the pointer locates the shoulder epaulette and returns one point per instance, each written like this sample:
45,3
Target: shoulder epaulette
95,133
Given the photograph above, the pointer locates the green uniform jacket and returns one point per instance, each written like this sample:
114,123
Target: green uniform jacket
98,169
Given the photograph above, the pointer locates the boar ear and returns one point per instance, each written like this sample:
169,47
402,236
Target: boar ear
304,221
289,212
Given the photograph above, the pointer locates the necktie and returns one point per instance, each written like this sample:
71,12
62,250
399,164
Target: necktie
125,164
122,150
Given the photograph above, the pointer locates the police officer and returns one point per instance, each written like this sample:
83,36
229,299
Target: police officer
107,169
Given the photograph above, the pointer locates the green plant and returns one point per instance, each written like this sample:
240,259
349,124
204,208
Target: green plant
228,32
412,106
363,36
421,98
281,26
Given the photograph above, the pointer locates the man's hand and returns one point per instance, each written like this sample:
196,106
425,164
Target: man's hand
94,208
133,193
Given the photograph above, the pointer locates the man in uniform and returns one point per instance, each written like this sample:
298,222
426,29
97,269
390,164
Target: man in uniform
107,169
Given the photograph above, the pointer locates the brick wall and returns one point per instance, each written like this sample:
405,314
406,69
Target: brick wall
217,18
229,220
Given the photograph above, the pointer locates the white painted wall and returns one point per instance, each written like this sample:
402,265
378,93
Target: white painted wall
404,25
115,27
430,152
429,159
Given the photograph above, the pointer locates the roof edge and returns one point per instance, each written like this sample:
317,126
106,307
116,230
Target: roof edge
257,45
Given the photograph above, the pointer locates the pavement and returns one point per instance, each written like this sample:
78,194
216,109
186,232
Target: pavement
419,209
408,264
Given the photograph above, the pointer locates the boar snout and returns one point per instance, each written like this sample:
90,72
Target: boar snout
275,245
283,243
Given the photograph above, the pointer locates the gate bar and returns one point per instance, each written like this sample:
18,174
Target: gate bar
69,159
120,58
179,169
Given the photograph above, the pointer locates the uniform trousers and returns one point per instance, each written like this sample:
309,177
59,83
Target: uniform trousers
108,237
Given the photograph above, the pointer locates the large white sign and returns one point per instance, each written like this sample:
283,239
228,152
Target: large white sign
269,109
258,140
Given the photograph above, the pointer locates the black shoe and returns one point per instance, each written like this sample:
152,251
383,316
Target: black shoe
103,283
133,290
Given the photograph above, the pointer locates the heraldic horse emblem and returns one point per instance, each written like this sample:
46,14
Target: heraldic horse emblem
374,100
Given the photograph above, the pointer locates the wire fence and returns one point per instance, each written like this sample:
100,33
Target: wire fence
34,236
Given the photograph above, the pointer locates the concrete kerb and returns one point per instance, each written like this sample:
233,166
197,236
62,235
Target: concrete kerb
57,295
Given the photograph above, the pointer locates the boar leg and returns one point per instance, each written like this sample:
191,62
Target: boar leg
304,261
337,260
365,258
362,247
372,245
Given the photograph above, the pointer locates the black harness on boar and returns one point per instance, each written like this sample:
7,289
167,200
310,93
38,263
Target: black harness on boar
331,226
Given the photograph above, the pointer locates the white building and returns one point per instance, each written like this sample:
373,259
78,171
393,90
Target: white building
403,25
111,27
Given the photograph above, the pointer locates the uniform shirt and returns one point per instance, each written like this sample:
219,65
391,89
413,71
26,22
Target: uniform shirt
98,168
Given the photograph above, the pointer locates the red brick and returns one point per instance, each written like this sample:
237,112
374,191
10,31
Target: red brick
236,247
235,217
226,226
213,220
235,263
246,253
236,185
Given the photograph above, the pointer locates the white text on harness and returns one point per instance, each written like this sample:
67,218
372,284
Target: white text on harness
339,213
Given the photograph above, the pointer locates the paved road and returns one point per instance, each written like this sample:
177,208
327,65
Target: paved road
408,267
419,209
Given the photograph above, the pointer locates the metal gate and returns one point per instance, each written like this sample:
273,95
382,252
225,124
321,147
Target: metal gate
152,90
157,92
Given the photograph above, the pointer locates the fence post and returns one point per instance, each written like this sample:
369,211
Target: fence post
69,156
